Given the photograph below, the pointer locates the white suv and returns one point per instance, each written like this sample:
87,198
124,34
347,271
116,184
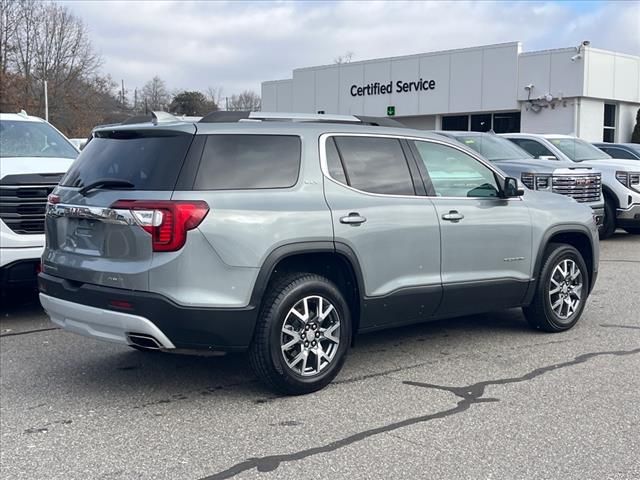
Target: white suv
620,178
33,158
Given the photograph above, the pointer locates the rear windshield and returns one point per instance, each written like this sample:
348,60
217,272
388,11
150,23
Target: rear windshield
33,139
148,162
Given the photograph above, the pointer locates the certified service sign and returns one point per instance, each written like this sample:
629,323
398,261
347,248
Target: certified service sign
377,88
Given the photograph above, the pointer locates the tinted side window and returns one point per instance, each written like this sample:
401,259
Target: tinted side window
334,164
534,148
455,174
376,165
231,162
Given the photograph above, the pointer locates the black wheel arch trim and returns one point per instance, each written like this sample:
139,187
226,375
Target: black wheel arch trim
546,239
301,248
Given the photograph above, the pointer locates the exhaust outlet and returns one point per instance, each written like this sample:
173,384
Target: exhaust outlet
144,341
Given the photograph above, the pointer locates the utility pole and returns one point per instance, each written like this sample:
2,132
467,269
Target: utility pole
135,99
46,102
122,93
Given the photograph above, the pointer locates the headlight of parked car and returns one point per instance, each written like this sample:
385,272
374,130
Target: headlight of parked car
536,182
629,179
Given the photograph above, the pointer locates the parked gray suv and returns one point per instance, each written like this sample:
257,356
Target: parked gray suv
287,238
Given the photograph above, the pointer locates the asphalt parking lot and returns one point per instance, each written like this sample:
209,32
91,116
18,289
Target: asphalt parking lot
477,397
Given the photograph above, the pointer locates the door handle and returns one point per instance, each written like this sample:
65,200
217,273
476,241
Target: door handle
354,218
453,216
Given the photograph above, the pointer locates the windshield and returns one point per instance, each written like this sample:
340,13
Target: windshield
493,147
578,150
33,139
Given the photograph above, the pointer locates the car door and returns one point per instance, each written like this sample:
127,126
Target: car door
486,242
382,217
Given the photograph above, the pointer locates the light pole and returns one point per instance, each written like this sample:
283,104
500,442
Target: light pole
46,102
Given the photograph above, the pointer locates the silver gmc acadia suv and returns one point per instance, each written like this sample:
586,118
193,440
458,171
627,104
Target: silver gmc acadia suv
286,235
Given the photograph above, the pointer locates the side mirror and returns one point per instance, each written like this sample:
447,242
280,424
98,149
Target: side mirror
547,157
511,188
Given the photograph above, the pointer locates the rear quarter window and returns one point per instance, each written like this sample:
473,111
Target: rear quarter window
239,162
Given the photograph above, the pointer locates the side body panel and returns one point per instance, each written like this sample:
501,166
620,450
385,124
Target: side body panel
397,248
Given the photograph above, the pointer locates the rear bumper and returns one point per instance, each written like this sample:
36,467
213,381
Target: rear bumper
99,323
89,310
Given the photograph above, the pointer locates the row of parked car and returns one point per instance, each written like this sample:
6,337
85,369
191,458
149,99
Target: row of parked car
287,235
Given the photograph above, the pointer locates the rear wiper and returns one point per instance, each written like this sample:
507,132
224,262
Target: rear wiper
105,182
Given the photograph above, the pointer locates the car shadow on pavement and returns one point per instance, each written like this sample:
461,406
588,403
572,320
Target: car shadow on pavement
167,377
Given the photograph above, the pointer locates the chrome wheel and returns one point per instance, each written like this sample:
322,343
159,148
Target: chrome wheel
310,335
565,289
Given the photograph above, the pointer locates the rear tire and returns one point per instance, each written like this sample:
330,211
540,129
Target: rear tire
302,336
561,292
633,230
608,227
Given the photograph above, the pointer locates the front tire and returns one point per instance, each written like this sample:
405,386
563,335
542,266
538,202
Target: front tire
562,290
302,336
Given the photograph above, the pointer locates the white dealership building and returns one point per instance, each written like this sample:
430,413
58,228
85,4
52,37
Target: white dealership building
579,90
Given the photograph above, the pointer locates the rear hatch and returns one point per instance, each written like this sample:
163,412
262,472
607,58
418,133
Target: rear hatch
100,219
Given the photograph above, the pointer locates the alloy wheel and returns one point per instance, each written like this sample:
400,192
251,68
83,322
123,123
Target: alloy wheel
310,335
565,289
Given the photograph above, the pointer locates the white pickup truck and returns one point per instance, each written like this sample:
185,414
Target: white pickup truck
33,158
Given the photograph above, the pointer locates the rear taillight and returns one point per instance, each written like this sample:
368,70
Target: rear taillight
167,221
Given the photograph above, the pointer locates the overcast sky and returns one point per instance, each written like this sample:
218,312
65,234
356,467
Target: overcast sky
236,45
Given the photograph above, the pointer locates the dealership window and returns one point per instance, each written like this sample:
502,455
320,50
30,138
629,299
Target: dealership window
609,132
481,123
507,122
455,122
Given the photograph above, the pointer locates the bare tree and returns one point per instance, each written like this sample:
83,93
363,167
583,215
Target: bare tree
214,95
8,24
247,100
43,41
346,58
155,94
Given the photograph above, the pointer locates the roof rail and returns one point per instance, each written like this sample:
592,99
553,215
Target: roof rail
240,116
303,117
380,121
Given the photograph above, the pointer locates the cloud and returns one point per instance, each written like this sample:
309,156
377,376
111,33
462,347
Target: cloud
236,45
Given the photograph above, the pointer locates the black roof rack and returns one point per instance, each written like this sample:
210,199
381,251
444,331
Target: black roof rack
232,117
